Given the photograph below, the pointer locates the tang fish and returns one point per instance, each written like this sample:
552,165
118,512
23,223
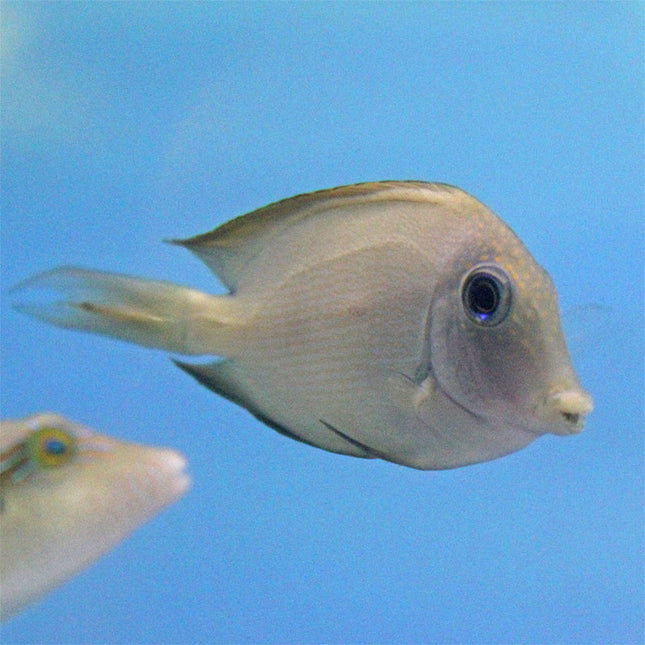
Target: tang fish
67,496
398,320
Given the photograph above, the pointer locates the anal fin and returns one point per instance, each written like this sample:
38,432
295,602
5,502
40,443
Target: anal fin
220,377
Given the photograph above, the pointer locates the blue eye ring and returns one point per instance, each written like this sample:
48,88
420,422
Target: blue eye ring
486,294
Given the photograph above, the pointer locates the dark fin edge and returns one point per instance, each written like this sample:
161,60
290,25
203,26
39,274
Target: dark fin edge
370,453
196,373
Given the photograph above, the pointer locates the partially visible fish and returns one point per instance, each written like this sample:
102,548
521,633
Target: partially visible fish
68,495
399,320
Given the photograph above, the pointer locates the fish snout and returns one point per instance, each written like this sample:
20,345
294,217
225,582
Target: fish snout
567,409
157,478
166,475
176,465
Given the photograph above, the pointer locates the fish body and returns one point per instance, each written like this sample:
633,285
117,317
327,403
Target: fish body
398,320
67,496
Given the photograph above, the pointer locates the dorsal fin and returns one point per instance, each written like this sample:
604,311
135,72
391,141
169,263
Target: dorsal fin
228,248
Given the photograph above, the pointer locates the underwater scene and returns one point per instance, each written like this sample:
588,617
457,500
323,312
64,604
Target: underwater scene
360,289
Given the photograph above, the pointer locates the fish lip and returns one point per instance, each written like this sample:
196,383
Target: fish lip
175,465
160,479
567,409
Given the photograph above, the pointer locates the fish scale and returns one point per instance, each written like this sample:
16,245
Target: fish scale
399,320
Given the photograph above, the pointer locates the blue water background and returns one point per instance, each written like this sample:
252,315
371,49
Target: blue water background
127,123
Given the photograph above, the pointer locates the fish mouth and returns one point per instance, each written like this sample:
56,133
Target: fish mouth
175,465
567,410
160,477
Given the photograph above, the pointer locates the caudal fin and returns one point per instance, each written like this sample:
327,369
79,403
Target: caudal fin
146,312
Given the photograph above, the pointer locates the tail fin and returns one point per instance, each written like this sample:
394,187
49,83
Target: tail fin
146,312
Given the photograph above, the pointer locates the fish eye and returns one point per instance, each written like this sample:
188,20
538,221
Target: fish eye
50,447
486,295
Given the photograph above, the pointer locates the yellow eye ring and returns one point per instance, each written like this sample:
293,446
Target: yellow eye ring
50,447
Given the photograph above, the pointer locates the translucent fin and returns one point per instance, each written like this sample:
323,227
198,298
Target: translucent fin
593,325
146,312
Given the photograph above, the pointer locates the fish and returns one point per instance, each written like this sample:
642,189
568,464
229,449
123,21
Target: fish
399,320
67,496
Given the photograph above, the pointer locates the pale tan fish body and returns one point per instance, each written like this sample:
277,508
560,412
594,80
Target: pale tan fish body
67,496
400,320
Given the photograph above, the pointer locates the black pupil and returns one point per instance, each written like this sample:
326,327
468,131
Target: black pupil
483,296
55,447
